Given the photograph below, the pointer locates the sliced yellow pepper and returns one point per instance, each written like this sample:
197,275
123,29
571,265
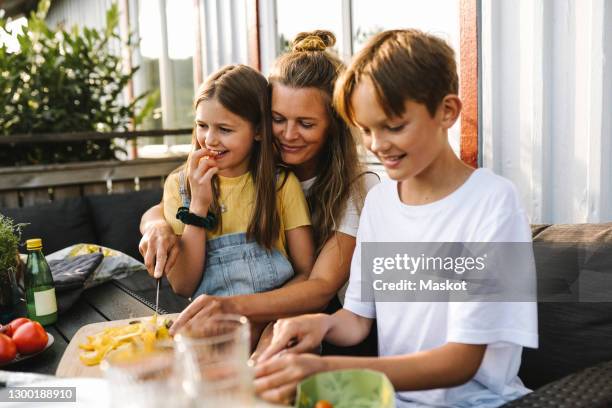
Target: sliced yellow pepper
141,336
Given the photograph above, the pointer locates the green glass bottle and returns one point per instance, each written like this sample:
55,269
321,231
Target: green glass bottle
39,287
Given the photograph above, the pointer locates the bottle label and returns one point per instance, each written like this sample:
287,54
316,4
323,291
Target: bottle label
45,302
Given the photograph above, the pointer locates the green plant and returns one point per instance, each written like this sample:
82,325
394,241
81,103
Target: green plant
10,235
63,81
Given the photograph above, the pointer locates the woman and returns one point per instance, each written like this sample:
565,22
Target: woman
320,149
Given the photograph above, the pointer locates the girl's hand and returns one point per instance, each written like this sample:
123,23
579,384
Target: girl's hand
297,335
276,379
202,168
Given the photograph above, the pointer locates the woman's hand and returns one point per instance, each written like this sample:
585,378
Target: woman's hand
276,379
297,335
202,168
159,247
194,317
264,341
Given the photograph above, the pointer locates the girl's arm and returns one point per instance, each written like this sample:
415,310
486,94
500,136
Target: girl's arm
187,271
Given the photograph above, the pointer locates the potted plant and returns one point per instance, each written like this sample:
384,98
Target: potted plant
10,266
65,80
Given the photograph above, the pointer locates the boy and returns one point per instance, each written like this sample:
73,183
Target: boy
401,91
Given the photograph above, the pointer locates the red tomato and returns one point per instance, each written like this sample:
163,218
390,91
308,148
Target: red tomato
15,324
323,404
30,337
8,351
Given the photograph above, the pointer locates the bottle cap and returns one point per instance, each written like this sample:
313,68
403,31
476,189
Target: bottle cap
33,244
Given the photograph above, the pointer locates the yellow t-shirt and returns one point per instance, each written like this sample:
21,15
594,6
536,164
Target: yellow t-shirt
237,194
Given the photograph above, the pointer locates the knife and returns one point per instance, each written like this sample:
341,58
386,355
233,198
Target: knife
157,296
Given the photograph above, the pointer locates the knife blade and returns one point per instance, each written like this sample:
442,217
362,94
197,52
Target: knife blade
157,296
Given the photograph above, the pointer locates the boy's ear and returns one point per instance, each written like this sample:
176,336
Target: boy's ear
451,108
258,137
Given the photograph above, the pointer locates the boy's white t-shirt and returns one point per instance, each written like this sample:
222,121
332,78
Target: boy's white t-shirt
485,208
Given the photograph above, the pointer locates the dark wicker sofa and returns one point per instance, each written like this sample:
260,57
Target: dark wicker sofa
573,365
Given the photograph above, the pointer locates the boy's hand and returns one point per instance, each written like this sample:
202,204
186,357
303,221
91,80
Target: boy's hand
297,335
276,380
202,168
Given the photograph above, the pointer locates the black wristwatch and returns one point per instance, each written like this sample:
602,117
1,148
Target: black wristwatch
209,222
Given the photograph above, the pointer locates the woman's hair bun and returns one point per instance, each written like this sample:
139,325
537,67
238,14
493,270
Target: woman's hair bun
317,40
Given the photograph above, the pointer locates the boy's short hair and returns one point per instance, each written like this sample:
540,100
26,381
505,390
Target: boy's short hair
403,65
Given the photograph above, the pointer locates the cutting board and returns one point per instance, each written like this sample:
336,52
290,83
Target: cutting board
71,366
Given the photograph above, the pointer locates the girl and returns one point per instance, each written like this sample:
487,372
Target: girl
320,148
401,90
240,218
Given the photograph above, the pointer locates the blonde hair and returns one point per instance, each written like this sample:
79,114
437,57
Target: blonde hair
309,65
403,65
244,92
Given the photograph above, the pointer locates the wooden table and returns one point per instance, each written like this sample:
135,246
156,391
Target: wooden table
114,300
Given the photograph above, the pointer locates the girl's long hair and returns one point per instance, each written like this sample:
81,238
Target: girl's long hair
308,65
244,92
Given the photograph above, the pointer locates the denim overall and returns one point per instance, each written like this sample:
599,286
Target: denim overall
236,266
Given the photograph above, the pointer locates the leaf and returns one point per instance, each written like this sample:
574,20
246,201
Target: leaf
112,19
43,9
148,108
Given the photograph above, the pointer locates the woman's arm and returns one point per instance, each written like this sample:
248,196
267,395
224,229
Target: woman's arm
303,333
159,244
329,273
300,246
152,216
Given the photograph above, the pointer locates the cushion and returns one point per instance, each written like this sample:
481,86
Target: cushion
574,268
116,218
59,224
69,276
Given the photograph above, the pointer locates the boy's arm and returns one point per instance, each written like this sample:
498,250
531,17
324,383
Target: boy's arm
449,365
